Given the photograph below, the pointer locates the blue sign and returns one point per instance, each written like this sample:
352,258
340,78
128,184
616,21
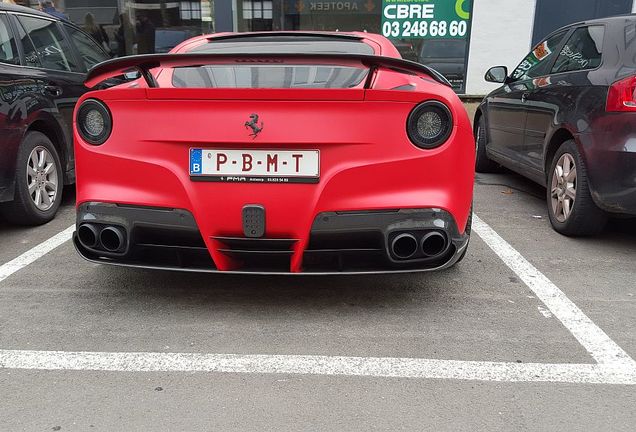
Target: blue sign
196,160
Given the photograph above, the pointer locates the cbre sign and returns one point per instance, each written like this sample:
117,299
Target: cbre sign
426,19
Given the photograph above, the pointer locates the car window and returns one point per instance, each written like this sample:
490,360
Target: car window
536,63
90,52
30,55
268,76
582,51
51,47
8,50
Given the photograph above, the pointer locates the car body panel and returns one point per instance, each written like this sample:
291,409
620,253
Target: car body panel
506,118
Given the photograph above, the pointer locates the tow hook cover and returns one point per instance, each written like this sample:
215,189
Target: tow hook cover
254,220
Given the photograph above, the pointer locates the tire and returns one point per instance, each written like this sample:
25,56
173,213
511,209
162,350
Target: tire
23,209
482,163
577,215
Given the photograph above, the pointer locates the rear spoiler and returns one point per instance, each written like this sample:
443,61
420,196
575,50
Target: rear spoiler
144,63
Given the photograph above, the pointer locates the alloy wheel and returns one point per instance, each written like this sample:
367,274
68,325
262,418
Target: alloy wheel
42,178
563,187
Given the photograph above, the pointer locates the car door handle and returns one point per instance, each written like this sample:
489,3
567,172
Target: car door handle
53,90
525,96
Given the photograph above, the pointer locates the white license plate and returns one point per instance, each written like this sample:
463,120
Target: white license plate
265,166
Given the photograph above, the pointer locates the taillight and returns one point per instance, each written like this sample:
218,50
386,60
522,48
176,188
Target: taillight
622,96
94,122
429,125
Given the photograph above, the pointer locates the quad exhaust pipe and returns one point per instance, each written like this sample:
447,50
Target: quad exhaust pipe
433,244
109,238
88,235
405,246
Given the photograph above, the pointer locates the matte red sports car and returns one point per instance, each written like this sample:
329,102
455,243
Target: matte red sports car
274,153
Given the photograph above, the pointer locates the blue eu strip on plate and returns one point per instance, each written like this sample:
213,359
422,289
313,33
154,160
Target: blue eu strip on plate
195,161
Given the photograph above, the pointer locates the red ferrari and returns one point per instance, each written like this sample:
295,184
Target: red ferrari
274,152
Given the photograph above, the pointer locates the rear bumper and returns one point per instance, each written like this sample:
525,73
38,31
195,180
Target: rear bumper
338,242
610,154
366,164
613,181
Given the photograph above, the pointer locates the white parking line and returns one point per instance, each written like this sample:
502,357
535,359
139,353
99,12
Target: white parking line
603,349
317,365
34,253
614,365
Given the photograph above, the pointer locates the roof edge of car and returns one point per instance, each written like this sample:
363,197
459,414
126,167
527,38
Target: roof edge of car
8,7
592,21
144,63
330,35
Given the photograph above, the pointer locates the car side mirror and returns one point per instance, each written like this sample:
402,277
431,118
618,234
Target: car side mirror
497,74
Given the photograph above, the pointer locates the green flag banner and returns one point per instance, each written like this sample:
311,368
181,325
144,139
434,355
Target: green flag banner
426,19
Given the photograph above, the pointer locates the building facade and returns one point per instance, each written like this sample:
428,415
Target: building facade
460,38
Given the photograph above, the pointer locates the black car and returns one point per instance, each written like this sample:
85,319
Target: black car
566,118
43,62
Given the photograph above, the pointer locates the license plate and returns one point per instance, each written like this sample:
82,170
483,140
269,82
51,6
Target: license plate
263,166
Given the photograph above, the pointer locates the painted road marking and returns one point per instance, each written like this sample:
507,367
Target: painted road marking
614,365
317,365
603,349
35,253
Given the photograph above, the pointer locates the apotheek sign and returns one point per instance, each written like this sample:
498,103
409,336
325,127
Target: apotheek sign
426,19
333,7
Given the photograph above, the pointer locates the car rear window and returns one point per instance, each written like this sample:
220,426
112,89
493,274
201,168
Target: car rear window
276,75
269,76
285,44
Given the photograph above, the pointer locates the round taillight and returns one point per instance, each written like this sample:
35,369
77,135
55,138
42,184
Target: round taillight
94,122
429,125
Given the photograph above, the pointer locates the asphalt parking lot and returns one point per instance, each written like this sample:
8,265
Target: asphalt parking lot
532,332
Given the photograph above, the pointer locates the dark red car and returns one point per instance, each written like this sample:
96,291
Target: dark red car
274,153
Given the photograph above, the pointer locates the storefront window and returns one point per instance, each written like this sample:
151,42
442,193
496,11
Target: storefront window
140,27
432,32
190,10
350,15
